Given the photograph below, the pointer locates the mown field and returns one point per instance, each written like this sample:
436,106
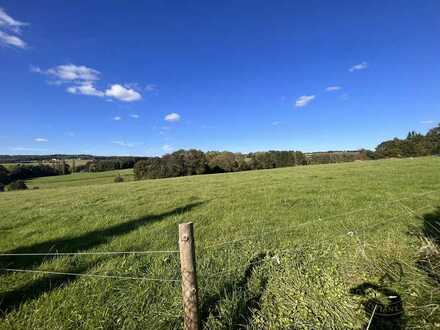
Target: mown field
80,179
313,247
69,162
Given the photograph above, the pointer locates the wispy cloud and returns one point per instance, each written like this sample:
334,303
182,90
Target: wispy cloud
427,122
123,144
333,88
83,80
86,89
9,31
151,88
167,148
302,101
275,123
40,139
70,73
11,40
135,116
172,117
357,67
117,118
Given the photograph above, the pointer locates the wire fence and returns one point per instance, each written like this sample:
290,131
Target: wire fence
89,275
307,223
56,254
350,230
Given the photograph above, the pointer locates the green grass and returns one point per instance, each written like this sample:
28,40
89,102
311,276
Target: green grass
80,179
69,162
322,240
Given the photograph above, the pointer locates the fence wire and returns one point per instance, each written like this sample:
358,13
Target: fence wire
88,275
348,232
87,253
294,226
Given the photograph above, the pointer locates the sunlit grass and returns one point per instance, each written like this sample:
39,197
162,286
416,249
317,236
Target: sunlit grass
306,250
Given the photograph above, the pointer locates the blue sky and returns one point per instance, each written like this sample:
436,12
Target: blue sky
149,77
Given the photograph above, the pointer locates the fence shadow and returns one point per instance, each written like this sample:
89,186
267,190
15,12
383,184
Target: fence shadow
431,259
82,242
246,306
10,300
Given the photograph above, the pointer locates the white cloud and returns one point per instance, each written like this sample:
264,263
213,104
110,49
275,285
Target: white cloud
172,117
117,118
122,93
11,40
427,122
357,67
333,88
40,139
7,23
302,101
135,116
80,74
167,147
86,89
82,80
123,144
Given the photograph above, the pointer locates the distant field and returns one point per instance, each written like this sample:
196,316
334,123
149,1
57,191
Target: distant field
290,248
11,165
69,162
80,179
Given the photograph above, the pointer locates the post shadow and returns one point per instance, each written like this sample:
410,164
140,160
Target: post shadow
242,312
11,300
81,242
431,231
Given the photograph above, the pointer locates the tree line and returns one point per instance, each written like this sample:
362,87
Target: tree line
193,162
414,145
25,172
116,163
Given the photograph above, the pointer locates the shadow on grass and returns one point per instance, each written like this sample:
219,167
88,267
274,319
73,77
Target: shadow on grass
12,299
82,242
389,311
384,306
430,260
244,309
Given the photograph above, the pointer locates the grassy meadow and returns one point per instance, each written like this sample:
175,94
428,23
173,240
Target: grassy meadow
80,179
69,162
311,247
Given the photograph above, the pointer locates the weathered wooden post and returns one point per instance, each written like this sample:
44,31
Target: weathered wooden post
189,276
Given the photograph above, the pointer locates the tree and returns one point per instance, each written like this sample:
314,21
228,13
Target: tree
224,161
17,185
4,175
152,168
118,179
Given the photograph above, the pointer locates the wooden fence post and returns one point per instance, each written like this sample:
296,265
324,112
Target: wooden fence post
189,276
